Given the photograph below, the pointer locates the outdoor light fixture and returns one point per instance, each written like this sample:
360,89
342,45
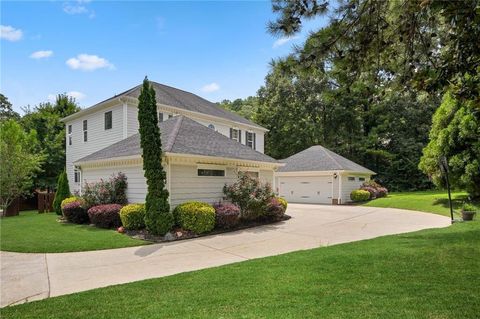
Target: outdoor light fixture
334,175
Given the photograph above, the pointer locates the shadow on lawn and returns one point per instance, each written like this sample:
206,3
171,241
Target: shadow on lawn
456,202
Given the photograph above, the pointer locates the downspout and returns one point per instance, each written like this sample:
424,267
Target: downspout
339,188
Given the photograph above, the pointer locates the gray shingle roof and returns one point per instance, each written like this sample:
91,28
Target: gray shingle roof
318,158
171,96
183,135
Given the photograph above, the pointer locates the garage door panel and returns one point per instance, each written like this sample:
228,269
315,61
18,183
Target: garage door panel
306,189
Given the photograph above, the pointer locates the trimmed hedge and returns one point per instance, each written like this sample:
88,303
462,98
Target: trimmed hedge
69,200
226,215
74,212
133,216
105,216
198,217
360,195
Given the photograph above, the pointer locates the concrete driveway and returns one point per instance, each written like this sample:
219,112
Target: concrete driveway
27,277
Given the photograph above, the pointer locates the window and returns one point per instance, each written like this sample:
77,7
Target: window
361,179
160,117
76,176
351,179
211,126
211,172
108,120
250,139
235,134
70,135
85,132
170,116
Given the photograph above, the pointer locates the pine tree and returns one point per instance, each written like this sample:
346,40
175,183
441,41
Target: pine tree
63,191
158,218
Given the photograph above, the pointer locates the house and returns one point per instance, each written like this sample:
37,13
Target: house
204,145
319,176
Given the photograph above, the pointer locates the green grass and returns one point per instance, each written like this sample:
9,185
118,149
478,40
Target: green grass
31,232
429,201
427,274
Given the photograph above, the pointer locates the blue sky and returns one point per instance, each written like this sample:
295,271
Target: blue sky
95,49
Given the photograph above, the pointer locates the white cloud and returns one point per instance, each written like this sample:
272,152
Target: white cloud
87,62
283,41
75,94
209,88
10,33
41,54
78,7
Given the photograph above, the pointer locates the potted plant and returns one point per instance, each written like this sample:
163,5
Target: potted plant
468,211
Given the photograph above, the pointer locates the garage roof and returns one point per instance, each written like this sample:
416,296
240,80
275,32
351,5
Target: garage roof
183,135
319,158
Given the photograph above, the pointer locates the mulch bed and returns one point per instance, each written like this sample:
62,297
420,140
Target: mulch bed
181,234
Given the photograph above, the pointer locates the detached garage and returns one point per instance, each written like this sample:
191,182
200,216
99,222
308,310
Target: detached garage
319,176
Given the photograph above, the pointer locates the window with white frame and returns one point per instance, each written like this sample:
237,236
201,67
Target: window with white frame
108,120
160,117
351,178
210,172
76,175
250,139
85,130
361,179
235,134
70,134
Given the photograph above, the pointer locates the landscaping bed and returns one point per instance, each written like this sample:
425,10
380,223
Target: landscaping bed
181,234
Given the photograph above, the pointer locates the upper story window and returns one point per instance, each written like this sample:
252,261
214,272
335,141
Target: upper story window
160,117
351,179
108,120
236,134
85,130
70,134
210,172
211,126
250,139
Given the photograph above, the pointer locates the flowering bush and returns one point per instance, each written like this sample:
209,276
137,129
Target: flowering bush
250,195
275,208
226,215
376,190
105,216
74,212
112,191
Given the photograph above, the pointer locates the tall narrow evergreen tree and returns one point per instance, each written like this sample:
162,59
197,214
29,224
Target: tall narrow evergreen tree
63,191
158,218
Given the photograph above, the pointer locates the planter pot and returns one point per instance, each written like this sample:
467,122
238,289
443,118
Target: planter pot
466,215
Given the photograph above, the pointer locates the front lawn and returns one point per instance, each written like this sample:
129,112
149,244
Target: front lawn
426,274
31,232
428,201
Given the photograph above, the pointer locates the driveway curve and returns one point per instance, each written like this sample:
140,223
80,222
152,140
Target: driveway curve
28,277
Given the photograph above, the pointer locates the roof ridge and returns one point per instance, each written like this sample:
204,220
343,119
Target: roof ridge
174,134
324,149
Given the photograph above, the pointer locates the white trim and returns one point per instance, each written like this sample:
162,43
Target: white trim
92,109
320,173
125,120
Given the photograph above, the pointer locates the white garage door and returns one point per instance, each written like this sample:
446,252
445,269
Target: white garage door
306,189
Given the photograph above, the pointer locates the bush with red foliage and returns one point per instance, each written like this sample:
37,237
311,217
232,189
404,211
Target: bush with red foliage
275,209
74,212
105,216
376,190
226,215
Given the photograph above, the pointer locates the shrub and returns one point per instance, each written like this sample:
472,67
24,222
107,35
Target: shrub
132,216
226,215
250,195
376,190
72,199
105,216
468,207
371,191
382,192
195,216
74,212
275,209
283,202
63,191
359,195
104,192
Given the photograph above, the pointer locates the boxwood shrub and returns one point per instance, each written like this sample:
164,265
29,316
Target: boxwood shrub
133,216
105,216
227,215
359,195
74,212
198,217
